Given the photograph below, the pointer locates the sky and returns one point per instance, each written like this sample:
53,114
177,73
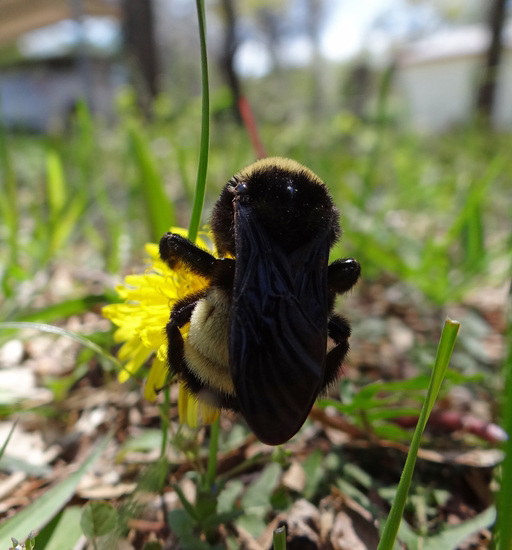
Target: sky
349,24
349,28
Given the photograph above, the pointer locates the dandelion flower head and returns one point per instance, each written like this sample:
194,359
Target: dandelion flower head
141,319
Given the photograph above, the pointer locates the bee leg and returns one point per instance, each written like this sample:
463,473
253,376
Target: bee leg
342,275
175,249
180,315
339,331
175,351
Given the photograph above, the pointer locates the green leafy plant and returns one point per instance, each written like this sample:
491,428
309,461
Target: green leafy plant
97,520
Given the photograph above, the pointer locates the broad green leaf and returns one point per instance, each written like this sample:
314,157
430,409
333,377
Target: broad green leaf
314,472
258,493
228,496
98,518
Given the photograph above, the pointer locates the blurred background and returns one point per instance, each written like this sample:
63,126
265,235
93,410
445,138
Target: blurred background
402,107
333,53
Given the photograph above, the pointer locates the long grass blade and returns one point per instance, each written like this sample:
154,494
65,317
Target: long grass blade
66,308
55,185
8,438
444,353
62,332
159,209
8,200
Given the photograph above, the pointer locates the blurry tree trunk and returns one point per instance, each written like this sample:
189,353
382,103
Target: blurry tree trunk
314,21
357,88
487,91
228,56
82,56
270,24
139,37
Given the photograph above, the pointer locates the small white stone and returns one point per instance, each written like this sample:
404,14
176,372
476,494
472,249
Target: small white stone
11,353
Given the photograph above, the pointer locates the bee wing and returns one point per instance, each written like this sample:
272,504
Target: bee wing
278,332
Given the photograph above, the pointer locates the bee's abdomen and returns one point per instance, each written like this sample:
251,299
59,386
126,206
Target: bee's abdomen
206,347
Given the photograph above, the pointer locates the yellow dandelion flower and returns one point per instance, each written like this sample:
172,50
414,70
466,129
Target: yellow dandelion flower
141,319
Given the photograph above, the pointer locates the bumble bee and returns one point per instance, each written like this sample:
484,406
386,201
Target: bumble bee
259,332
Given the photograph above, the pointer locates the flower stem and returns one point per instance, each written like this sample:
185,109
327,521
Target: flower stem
211,472
197,208
166,406
199,200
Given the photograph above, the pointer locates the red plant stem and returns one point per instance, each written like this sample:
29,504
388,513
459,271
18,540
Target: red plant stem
252,128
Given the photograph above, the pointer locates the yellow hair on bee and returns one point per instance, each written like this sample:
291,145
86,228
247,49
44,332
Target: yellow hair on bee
279,163
206,347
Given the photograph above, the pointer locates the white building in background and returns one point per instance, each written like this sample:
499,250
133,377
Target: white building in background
438,77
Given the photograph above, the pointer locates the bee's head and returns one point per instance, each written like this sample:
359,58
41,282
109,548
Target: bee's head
283,197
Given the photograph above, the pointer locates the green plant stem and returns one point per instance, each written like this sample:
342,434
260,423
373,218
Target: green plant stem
199,200
444,353
211,471
197,208
279,538
166,406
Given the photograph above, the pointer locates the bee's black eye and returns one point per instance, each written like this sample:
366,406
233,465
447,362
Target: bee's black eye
242,188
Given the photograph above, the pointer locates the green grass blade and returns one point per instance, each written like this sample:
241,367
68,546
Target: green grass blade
473,238
505,493
197,208
9,208
444,352
443,356
55,185
66,308
62,332
42,510
159,210
67,221
9,195
476,196
5,443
